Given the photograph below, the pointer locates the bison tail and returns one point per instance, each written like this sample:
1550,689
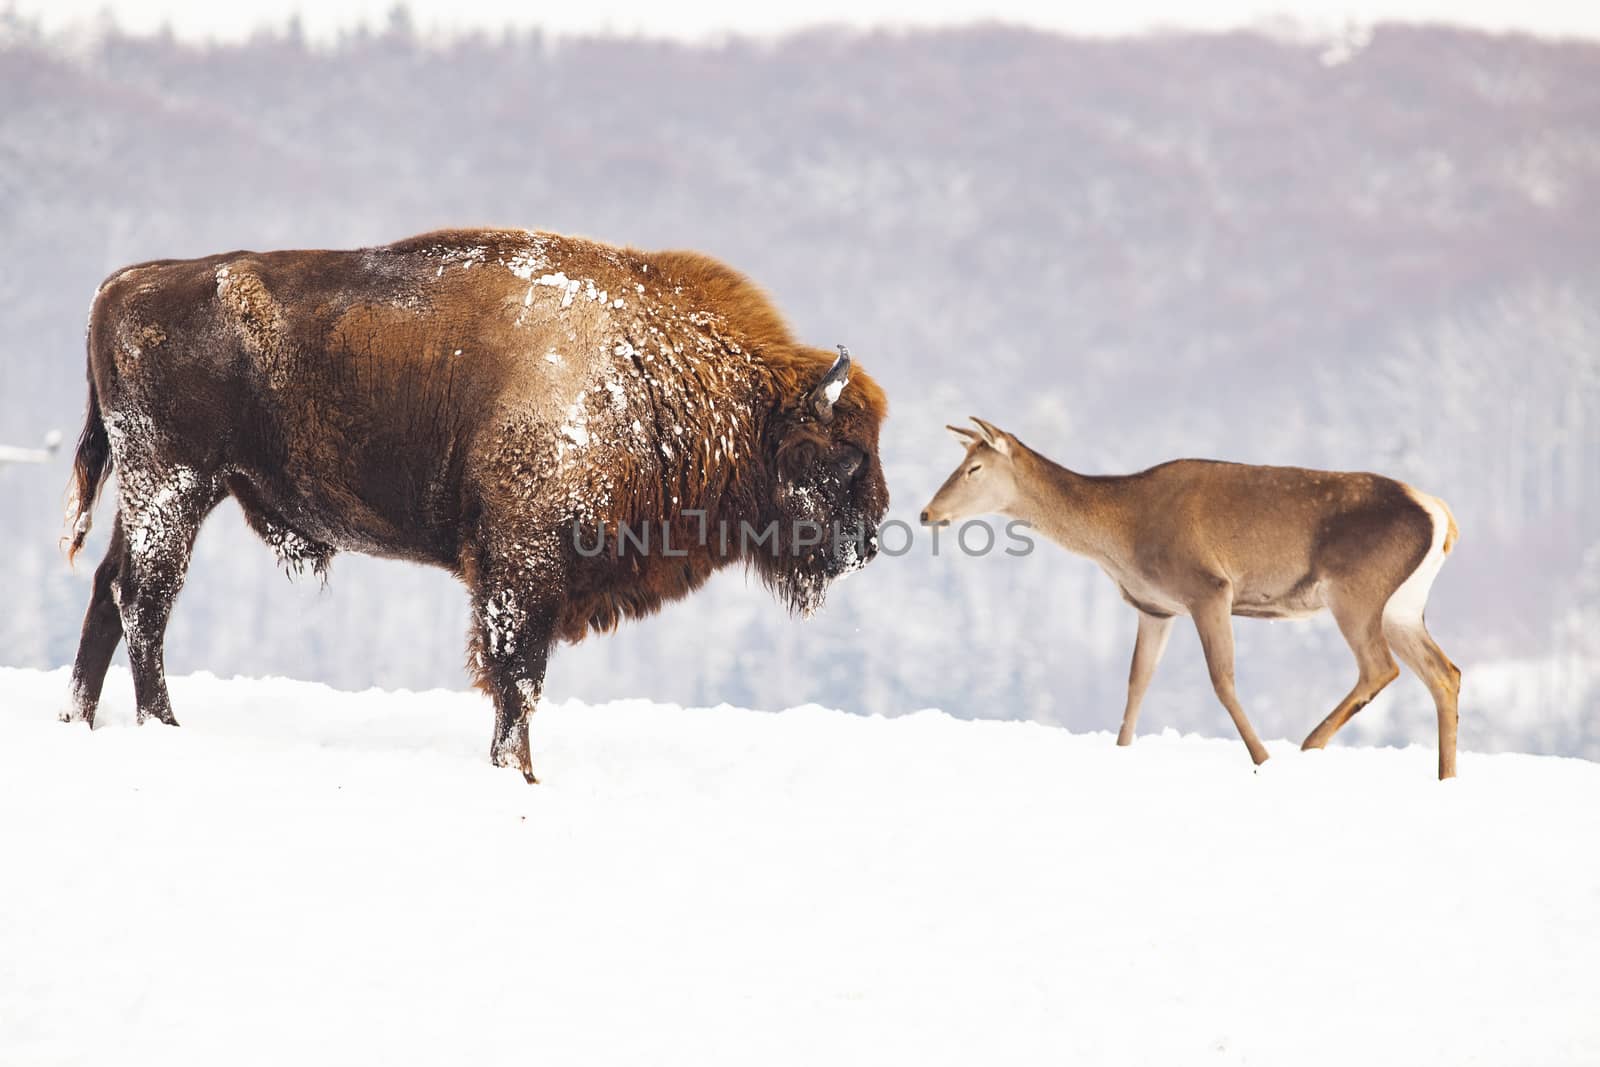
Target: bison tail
89,470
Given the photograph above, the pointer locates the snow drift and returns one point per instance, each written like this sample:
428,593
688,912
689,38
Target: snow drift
301,874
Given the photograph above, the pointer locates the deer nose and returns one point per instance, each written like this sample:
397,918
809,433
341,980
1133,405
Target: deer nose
924,516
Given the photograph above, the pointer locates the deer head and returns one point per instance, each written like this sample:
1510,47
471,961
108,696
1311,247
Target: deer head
986,480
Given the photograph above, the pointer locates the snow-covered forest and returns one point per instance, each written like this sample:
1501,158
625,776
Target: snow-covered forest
1379,256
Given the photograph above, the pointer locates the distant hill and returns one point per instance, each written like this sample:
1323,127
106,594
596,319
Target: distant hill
1123,250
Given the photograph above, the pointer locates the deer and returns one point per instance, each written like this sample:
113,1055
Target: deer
1211,540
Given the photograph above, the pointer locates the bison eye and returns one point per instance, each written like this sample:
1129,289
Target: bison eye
850,461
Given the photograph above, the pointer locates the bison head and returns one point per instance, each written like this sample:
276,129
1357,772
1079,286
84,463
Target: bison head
827,492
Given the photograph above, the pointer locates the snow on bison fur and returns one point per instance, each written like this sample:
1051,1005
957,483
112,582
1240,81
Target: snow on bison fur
483,400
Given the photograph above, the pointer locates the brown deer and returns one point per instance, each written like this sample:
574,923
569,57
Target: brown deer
1211,540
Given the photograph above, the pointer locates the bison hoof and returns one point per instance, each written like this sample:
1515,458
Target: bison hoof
523,768
162,716
511,750
77,715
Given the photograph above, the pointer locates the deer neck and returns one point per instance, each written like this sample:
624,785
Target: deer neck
1079,513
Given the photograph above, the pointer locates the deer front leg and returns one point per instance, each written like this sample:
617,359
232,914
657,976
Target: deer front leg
1213,618
513,626
1147,649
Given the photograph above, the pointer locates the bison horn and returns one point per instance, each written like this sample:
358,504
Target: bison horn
826,394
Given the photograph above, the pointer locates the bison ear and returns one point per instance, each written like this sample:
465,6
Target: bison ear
826,393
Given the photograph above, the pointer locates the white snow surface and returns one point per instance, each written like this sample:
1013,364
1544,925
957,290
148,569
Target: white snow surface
305,875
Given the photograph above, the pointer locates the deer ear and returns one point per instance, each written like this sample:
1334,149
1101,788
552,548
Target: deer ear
965,436
992,436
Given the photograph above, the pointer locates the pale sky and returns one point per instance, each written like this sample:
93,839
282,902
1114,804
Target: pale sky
229,19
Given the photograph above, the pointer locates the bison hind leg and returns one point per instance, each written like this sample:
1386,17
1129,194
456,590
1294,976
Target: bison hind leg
159,512
102,631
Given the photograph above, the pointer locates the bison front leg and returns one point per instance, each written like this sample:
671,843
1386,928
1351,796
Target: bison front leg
513,626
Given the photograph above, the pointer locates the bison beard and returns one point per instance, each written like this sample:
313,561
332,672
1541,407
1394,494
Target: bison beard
476,400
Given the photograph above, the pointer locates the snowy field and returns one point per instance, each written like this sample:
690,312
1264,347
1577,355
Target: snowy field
304,875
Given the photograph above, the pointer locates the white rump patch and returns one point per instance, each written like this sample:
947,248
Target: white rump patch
1406,603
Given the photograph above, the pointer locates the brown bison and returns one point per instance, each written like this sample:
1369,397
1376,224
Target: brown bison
501,403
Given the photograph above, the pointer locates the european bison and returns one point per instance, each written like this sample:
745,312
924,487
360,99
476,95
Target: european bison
525,409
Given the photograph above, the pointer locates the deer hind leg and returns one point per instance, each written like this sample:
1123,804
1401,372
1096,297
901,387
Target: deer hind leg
1213,618
1362,627
1147,649
160,510
102,630
1417,649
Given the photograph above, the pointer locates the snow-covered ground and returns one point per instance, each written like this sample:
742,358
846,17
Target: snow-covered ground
304,875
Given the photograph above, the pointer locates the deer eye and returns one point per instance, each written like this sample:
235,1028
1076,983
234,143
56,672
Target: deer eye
974,469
